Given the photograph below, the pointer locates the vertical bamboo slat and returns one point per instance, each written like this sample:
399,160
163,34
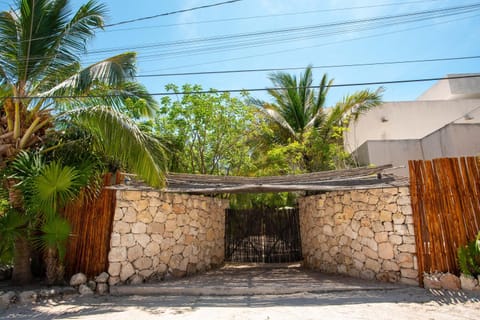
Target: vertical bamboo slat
91,224
446,210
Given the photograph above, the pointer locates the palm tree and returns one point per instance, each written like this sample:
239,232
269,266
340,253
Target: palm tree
298,112
42,42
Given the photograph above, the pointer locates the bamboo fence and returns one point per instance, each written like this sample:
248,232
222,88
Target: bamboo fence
446,210
91,224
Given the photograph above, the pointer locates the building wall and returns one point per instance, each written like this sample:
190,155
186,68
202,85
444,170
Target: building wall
367,234
449,89
155,234
394,152
410,120
454,140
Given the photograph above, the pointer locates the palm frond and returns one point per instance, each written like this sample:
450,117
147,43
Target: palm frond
119,138
55,186
111,72
55,233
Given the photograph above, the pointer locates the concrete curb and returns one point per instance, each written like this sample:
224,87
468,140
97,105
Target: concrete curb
152,290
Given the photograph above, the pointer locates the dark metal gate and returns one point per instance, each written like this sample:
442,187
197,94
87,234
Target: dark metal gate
262,235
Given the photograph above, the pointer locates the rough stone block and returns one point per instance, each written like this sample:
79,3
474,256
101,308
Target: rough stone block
139,227
366,232
142,263
85,290
115,239
126,272
405,260
385,216
410,248
370,253
385,251
130,215
78,279
127,240
113,281
131,195
156,227
395,239
134,253
398,218
373,265
102,278
450,281
381,237
118,214
144,216
102,288
409,273
390,266
468,283
27,297
369,242
136,279
121,227
142,239
114,269
152,249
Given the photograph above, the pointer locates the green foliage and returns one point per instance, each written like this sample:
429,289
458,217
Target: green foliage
298,114
12,226
46,188
261,200
208,130
469,257
54,235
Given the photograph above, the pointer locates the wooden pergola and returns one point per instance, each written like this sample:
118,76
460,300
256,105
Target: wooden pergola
348,179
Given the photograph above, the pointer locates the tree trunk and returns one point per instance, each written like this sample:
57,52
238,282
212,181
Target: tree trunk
51,263
22,273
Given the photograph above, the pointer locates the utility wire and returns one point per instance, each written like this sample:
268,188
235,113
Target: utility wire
341,85
425,14
268,16
269,37
301,68
171,13
256,55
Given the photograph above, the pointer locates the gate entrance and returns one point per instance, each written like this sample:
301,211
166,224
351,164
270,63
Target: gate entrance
262,235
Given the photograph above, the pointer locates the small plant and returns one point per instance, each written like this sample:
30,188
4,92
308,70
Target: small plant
469,257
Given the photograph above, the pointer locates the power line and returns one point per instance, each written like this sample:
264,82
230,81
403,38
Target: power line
272,15
270,37
418,15
301,68
256,55
341,85
171,13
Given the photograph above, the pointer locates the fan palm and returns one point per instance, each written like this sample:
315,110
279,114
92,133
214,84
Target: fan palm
42,42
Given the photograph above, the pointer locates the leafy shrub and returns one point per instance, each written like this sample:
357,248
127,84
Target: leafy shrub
469,257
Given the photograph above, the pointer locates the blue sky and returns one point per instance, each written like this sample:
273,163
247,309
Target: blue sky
452,36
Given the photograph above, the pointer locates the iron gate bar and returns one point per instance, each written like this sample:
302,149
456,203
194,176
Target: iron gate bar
262,235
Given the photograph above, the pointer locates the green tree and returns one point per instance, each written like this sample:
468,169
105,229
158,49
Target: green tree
298,115
42,42
208,129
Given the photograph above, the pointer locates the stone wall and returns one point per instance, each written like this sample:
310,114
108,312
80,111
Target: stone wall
367,234
158,234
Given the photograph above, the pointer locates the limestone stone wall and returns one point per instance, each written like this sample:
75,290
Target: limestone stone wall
158,234
367,234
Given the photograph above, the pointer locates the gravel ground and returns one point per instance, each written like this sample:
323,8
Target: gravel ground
403,303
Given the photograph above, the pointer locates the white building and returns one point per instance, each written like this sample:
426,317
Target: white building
443,122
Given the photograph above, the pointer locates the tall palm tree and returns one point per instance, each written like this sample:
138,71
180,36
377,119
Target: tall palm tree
42,42
298,108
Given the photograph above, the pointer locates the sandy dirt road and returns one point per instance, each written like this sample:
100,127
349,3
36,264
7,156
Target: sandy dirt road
404,303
